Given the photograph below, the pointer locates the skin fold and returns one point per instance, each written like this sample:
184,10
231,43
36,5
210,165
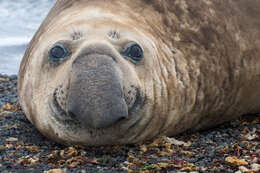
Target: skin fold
199,67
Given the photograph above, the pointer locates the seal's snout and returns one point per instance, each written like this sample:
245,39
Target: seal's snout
95,96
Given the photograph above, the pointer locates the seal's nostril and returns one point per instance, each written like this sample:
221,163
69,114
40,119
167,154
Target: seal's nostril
72,115
121,119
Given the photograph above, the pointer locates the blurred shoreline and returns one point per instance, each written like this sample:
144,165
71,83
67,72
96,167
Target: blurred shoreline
19,21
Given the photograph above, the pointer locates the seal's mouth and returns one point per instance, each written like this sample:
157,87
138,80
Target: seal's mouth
61,115
57,106
56,109
138,103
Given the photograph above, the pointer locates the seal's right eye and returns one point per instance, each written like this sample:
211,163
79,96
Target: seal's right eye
134,52
59,53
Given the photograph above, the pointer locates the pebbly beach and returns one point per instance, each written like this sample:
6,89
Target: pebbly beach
231,147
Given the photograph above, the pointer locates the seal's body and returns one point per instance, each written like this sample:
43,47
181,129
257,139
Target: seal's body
119,72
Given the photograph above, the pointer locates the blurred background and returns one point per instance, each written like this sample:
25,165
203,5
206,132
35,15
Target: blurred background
19,20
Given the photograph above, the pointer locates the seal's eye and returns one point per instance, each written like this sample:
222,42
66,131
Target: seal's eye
58,53
134,51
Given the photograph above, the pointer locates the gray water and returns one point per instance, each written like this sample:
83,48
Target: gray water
19,20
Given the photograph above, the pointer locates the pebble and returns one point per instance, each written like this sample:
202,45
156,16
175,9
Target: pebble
243,169
13,77
56,171
255,167
13,100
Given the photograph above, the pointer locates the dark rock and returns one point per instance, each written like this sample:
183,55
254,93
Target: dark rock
13,77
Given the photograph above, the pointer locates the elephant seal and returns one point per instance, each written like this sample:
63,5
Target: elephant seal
120,72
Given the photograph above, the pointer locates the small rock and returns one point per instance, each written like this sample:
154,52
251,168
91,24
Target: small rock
177,142
83,171
255,160
28,162
11,139
4,79
56,171
143,148
243,169
13,77
7,107
238,171
234,160
255,167
13,100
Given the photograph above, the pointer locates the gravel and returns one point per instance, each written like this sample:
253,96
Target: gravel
231,147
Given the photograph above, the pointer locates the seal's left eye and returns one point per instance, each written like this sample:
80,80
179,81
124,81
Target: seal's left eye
59,53
134,51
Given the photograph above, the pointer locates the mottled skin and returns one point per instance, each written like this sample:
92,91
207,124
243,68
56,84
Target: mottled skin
201,67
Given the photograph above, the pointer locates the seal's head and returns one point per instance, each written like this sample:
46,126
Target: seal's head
87,75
